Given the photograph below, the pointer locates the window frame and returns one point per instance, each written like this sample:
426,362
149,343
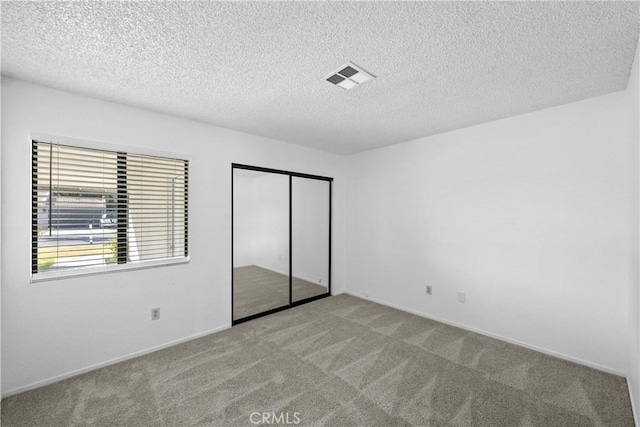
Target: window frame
113,268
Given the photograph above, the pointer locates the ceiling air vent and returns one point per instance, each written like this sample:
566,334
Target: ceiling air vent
348,76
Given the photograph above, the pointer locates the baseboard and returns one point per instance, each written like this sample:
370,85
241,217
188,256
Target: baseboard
133,355
287,274
270,269
492,335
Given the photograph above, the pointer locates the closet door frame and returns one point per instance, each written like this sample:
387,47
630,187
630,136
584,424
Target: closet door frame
291,302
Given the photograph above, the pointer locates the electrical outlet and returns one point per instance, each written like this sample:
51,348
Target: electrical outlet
155,313
462,297
429,290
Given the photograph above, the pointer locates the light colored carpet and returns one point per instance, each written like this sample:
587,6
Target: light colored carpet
256,290
339,361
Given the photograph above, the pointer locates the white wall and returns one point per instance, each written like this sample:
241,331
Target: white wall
310,223
242,221
0,253
271,222
525,215
633,376
261,220
51,329
261,224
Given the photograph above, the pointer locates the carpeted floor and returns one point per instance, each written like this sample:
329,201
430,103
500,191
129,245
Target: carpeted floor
256,290
339,361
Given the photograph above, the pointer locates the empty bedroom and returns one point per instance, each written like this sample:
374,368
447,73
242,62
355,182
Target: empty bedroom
320,213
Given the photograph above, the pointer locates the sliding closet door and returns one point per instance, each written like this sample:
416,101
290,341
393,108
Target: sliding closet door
310,229
260,242
281,241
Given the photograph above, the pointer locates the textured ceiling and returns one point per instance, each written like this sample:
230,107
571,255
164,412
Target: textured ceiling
258,66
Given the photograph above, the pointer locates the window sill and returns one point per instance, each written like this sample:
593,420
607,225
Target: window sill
91,271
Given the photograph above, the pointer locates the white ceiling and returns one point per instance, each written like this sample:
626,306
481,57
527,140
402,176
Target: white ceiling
258,66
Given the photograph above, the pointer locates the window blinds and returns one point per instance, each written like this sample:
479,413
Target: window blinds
95,208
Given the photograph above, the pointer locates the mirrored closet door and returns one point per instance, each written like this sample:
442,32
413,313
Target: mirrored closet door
281,242
310,237
260,242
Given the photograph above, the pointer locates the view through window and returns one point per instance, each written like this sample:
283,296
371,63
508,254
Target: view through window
94,208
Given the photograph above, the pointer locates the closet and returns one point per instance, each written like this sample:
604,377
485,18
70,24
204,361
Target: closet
281,240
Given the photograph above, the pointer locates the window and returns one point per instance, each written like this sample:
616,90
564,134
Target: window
96,209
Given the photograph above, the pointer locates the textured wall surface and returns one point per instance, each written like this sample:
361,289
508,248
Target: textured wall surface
259,66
